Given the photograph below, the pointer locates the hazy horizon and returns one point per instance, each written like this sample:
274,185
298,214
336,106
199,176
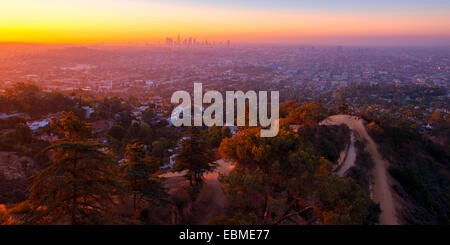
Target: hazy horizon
322,22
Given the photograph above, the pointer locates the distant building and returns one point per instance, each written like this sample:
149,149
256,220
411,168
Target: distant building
35,125
89,110
169,41
149,83
101,126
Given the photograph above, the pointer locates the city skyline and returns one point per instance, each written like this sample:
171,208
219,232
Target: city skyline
285,22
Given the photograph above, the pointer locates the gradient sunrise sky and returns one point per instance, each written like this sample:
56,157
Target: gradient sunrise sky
256,21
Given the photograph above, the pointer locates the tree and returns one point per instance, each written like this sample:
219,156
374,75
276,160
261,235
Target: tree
194,156
287,107
124,118
245,189
282,180
344,203
344,108
160,148
141,132
148,116
214,135
308,114
71,128
5,218
117,132
78,185
140,174
19,139
109,107
436,118
23,134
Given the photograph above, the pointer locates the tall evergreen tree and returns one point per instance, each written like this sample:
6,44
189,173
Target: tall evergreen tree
78,185
140,172
194,156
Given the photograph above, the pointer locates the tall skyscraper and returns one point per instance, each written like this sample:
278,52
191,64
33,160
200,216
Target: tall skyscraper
169,41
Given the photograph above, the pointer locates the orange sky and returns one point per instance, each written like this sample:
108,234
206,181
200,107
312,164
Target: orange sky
115,21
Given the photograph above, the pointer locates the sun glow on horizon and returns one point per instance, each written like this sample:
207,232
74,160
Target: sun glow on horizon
65,21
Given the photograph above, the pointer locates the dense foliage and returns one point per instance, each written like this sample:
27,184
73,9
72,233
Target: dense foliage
284,180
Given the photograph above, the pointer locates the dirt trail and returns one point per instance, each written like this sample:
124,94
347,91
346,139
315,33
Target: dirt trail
350,157
211,196
382,192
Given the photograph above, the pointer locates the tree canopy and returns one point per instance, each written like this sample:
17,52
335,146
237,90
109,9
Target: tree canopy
282,180
79,184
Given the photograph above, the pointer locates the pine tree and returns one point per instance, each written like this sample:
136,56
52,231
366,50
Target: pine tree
78,185
140,174
194,156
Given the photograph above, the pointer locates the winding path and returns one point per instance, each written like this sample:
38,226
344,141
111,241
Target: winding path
382,192
211,196
350,156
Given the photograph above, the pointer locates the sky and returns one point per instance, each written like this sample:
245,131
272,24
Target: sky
390,22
